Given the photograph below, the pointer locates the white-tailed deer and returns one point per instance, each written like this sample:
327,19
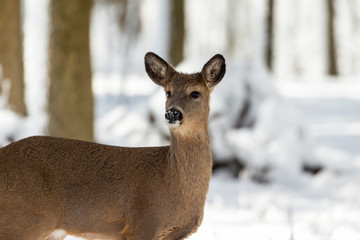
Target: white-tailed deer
97,191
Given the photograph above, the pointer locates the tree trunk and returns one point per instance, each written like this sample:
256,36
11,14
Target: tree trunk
332,65
270,35
231,24
11,53
177,31
70,104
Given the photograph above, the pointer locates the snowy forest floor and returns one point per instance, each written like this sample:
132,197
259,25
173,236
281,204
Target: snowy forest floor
321,206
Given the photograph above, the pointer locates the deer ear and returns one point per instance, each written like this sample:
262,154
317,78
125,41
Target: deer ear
157,68
214,70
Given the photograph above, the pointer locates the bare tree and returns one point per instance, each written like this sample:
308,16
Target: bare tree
70,96
177,31
270,35
332,63
11,53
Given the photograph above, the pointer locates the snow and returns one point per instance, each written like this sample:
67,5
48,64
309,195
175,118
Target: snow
300,37
291,121
36,35
349,36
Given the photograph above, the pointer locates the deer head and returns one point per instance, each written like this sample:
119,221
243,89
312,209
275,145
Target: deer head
188,95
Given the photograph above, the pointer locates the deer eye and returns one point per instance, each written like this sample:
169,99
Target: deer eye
168,94
194,95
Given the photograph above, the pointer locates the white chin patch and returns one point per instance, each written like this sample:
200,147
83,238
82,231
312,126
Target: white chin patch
174,125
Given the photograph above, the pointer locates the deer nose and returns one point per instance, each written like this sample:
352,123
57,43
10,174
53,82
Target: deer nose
173,115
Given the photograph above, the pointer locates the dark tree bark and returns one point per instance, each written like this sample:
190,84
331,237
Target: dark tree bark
70,104
177,31
270,35
332,63
11,53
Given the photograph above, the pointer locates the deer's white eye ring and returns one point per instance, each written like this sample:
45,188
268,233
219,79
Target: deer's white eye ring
194,94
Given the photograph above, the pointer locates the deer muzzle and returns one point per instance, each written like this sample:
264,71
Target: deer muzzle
173,115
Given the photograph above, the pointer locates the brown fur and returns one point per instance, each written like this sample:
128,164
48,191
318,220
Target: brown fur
105,192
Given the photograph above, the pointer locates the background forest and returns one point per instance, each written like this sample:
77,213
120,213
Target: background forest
285,121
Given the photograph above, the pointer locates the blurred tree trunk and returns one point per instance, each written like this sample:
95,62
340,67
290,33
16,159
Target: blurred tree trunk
70,104
129,21
122,6
177,31
231,24
270,35
11,53
332,63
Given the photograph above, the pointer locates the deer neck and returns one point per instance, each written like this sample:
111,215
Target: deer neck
190,156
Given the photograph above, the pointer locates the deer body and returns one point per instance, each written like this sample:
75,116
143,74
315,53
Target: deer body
98,191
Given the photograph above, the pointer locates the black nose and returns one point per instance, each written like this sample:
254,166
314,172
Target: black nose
173,115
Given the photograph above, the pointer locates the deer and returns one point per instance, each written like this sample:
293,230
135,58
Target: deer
52,187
